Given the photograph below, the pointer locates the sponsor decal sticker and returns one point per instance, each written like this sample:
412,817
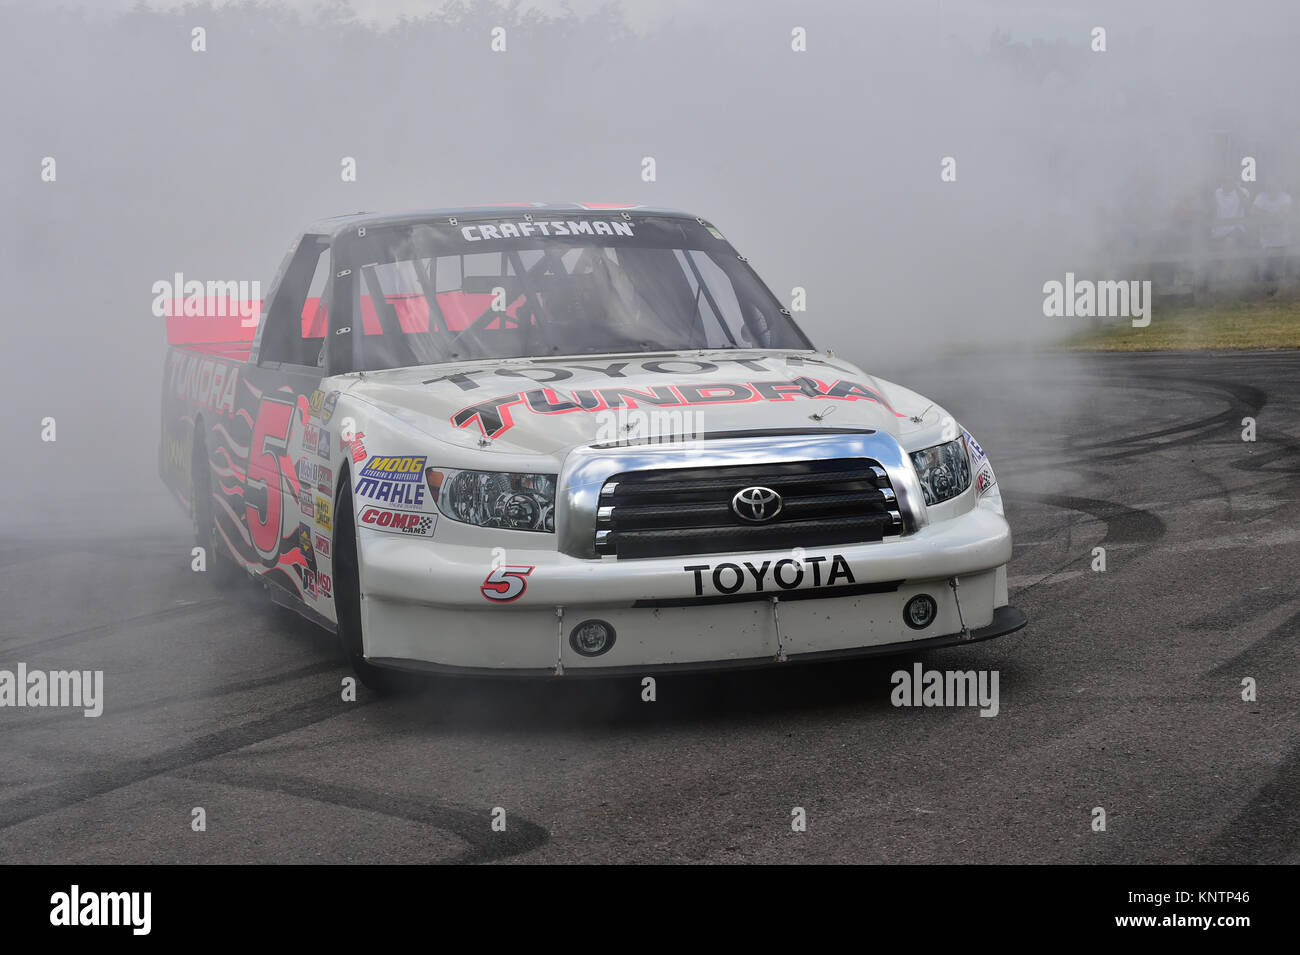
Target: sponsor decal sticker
984,479
393,479
326,584
306,472
310,435
327,409
976,452
324,479
395,468
399,522
323,445
515,230
356,446
316,404
305,502
323,512
322,544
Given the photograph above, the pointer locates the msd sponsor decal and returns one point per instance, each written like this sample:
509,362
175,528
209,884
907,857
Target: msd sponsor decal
399,522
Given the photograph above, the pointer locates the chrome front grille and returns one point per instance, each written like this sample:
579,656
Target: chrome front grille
678,511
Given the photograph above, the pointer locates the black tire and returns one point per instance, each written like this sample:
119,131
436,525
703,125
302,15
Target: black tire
347,604
221,568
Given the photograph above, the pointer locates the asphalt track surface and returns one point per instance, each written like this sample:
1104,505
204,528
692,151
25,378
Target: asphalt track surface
1124,692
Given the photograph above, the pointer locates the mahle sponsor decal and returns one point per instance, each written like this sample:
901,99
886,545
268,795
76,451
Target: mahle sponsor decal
394,479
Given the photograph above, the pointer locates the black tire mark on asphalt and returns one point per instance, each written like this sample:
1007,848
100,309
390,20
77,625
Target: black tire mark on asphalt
1244,609
1254,658
1241,399
1267,830
83,786
105,629
473,827
1124,525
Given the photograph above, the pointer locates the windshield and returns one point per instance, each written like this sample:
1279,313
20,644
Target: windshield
515,287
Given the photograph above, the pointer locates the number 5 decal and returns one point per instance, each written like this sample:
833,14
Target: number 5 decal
506,582
270,440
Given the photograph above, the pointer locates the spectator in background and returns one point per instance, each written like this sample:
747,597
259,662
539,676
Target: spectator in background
1231,201
1272,209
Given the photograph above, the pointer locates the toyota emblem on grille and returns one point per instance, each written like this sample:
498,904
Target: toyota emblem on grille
756,504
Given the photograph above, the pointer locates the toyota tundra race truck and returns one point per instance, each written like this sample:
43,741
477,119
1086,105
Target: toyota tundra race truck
570,439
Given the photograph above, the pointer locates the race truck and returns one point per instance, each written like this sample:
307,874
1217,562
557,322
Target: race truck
569,439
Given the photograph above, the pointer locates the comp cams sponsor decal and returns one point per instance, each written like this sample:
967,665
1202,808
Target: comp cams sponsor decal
787,574
399,522
393,479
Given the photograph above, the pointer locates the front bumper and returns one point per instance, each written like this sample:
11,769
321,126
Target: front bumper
1005,620
423,605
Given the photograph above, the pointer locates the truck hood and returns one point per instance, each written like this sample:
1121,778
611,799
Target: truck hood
546,406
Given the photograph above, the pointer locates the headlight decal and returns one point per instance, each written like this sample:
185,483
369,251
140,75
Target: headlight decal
516,501
944,471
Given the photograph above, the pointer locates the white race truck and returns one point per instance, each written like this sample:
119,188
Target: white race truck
571,439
